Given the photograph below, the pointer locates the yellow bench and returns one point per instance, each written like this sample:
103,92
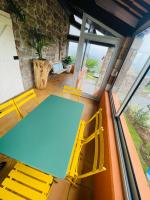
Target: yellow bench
15,105
22,99
97,136
24,182
72,90
7,108
7,121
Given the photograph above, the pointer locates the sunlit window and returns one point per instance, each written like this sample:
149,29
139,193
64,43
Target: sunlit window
134,63
77,19
72,50
99,33
74,31
132,90
137,117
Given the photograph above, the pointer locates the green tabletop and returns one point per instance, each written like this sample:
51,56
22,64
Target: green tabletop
44,139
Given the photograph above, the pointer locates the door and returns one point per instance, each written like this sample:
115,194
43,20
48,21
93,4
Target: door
94,62
96,54
10,76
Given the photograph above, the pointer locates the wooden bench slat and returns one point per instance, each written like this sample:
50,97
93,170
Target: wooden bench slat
7,195
43,187
23,190
33,172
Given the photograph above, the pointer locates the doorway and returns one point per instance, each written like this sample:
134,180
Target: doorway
97,50
93,61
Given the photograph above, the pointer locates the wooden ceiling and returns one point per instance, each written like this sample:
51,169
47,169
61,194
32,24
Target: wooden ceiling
124,16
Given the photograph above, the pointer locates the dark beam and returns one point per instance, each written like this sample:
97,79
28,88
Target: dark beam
143,20
77,12
127,9
101,44
73,38
69,9
65,6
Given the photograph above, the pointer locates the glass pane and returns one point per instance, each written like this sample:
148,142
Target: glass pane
77,19
92,27
74,31
99,33
137,117
93,68
135,61
72,51
87,26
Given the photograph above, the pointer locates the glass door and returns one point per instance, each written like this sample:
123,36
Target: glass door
94,67
96,54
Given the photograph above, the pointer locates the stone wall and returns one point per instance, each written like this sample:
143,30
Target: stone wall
51,19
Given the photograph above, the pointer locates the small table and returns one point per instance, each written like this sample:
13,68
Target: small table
44,139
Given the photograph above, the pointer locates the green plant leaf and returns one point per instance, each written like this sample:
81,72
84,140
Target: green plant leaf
38,40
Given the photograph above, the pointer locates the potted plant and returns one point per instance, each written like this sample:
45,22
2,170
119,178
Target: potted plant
68,64
67,61
42,67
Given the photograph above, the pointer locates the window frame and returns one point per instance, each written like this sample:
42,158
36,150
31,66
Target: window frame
131,190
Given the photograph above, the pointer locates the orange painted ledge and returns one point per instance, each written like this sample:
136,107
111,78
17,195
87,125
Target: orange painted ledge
108,184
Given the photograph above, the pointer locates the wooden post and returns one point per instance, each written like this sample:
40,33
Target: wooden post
41,72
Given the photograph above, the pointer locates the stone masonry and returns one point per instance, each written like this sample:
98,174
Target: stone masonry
51,19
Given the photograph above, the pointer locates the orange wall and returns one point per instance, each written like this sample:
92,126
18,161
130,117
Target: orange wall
108,184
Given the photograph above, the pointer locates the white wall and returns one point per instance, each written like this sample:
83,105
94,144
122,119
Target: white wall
10,76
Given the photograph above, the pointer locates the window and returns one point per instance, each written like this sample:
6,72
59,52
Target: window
134,63
131,97
99,33
77,19
74,31
137,117
72,50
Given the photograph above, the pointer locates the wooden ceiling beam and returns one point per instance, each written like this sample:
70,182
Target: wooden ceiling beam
140,6
144,4
134,7
91,8
119,12
124,3
128,9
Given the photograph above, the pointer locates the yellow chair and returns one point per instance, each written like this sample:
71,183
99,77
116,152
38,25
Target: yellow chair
24,182
73,91
7,119
22,100
97,136
7,108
